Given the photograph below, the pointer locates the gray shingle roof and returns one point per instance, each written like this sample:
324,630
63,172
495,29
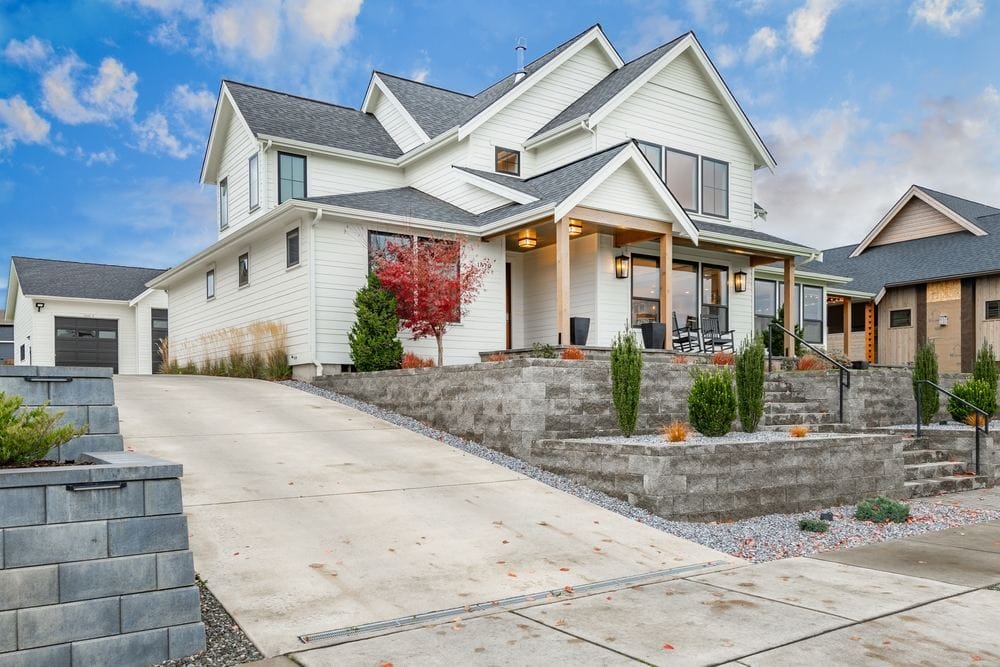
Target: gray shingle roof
608,87
741,232
405,202
920,260
282,115
79,280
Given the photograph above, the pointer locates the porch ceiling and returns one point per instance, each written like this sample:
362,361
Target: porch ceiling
625,229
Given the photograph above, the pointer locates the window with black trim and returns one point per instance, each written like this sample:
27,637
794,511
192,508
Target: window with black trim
835,318
223,203
292,248
645,289
858,317
210,284
243,269
813,305
507,161
715,293
22,351
291,176
653,153
993,310
682,178
899,318
254,182
765,303
714,187
379,241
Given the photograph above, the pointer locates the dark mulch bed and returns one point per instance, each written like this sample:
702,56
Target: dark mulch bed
227,643
44,464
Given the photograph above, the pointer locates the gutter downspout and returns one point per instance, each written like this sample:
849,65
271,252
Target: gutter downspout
312,290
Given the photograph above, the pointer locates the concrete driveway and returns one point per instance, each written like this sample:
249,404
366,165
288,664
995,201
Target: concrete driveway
308,516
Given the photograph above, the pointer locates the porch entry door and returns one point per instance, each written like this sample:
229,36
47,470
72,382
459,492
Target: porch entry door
158,317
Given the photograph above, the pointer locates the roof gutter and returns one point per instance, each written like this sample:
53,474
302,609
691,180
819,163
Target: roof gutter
764,246
579,123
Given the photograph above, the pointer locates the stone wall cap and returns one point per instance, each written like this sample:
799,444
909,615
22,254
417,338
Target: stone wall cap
106,467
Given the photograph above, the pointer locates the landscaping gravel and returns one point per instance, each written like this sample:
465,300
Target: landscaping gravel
759,539
226,643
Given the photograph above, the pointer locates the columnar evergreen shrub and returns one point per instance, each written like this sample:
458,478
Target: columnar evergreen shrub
626,380
712,401
980,393
986,368
925,367
373,338
750,383
28,435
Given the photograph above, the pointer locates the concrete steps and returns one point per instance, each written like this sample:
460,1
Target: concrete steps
921,488
932,470
793,418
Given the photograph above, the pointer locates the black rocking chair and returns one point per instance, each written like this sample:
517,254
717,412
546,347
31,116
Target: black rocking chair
684,339
713,337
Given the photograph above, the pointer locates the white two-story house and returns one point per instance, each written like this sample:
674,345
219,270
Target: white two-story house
621,192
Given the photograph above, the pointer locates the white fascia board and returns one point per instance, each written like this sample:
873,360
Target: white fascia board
13,286
592,35
384,89
224,96
825,278
516,220
880,296
834,290
149,291
327,150
690,43
77,299
499,189
559,130
914,191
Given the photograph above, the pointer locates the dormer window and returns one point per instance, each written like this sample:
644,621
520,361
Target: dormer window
508,161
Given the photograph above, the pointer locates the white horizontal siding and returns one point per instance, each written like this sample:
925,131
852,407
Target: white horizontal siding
144,330
627,191
43,329
238,146
395,123
434,176
341,270
24,321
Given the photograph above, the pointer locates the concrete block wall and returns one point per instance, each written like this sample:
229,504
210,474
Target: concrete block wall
94,565
722,482
86,396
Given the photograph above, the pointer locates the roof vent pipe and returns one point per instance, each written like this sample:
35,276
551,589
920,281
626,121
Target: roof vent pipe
520,47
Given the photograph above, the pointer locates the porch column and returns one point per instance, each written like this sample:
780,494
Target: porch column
790,315
847,326
666,300
562,281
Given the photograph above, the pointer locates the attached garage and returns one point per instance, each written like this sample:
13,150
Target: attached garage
84,341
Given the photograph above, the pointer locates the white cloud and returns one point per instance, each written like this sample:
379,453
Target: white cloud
838,173
762,43
726,56
650,32
420,74
107,156
168,36
948,16
705,13
21,123
807,24
154,136
108,95
27,53
329,21
193,101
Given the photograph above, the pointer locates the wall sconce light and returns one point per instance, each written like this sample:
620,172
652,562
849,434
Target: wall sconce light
527,241
621,266
740,281
575,228
39,305
942,320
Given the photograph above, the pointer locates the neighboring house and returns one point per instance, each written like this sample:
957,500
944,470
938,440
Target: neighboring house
620,192
932,268
77,314
6,340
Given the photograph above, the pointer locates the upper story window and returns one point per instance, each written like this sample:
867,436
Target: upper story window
291,176
210,284
223,203
254,182
292,248
714,187
243,269
682,178
654,154
508,161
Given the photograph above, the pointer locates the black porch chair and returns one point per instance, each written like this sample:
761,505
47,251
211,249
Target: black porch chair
713,337
684,339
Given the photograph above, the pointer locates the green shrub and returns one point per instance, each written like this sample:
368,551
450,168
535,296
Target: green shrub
374,342
543,351
776,337
882,510
925,367
749,370
626,380
980,393
986,369
814,525
28,435
712,401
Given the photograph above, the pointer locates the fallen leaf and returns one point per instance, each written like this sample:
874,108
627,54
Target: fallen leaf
564,569
511,574
887,642
505,542
561,622
236,553
568,589
597,548
386,664
315,565
855,639
669,647
976,658
501,562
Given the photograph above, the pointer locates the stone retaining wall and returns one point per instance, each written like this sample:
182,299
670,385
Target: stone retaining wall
94,564
722,482
960,444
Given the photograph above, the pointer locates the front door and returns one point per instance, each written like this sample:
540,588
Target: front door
159,334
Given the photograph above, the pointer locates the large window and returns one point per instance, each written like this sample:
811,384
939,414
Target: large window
223,203
379,241
508,161
291,176
254,182
714,188
835,318
645,289
715,293
243,269
684,292
654,154
682,178
812,313
292,248
765,303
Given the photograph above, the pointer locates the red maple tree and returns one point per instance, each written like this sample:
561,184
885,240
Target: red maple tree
433,281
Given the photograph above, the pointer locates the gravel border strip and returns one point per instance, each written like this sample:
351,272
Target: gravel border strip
758,539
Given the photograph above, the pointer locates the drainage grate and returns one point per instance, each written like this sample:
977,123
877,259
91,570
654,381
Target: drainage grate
425,617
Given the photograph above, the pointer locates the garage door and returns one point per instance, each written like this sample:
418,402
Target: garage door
85,341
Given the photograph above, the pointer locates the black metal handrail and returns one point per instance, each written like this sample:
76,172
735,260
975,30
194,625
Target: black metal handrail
844,372
979,411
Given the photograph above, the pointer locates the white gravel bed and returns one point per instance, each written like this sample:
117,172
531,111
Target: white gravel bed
759,539
731,438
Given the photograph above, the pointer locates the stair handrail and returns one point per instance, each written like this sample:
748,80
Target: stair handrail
979,411
843,371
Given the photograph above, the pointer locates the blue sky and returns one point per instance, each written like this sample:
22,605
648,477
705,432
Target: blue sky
105,105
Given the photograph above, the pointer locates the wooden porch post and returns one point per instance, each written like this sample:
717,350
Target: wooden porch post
847,326
666,301
562,281
790,315
870,352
